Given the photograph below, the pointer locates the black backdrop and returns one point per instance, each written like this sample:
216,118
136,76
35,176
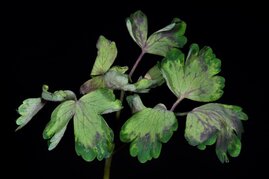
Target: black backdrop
55,45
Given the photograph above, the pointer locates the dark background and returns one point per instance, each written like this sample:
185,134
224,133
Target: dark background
55,45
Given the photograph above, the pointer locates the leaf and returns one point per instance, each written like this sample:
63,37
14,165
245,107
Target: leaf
216,122
57,96
135,103
28,109
60,117
152,79
116,79
160,42
106,55
137,25
54,141
147,129
93,137
92,84
196,79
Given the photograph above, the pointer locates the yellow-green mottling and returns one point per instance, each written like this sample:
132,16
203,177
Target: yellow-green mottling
106,55
27,110
196,78
161,41
147,129
218,123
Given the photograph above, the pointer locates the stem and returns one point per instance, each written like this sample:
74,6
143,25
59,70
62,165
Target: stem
122,93
182,113
109,159
176,103
107,168
136,63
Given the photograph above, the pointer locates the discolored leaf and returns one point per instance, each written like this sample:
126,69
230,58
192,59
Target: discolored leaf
28,109
216,122
60,117
171,36
196,79
147,129
115,79
152,79
137,25
92,84
57,96
160,42
93,136
106,55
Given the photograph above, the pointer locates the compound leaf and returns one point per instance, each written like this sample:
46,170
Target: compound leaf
93,137
196,79
218,123
147,129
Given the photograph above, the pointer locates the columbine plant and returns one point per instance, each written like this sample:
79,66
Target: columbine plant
194,76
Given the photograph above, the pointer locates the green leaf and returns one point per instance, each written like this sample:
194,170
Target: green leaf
196,79
216,122
160,42
106,55
92,84
93,136
152,79
28,109
54,141
147,129
137,25
59,119
57,96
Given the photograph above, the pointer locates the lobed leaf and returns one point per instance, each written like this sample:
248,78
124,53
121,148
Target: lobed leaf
147,129
93,136
218,123
160,42
171,36
195,79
